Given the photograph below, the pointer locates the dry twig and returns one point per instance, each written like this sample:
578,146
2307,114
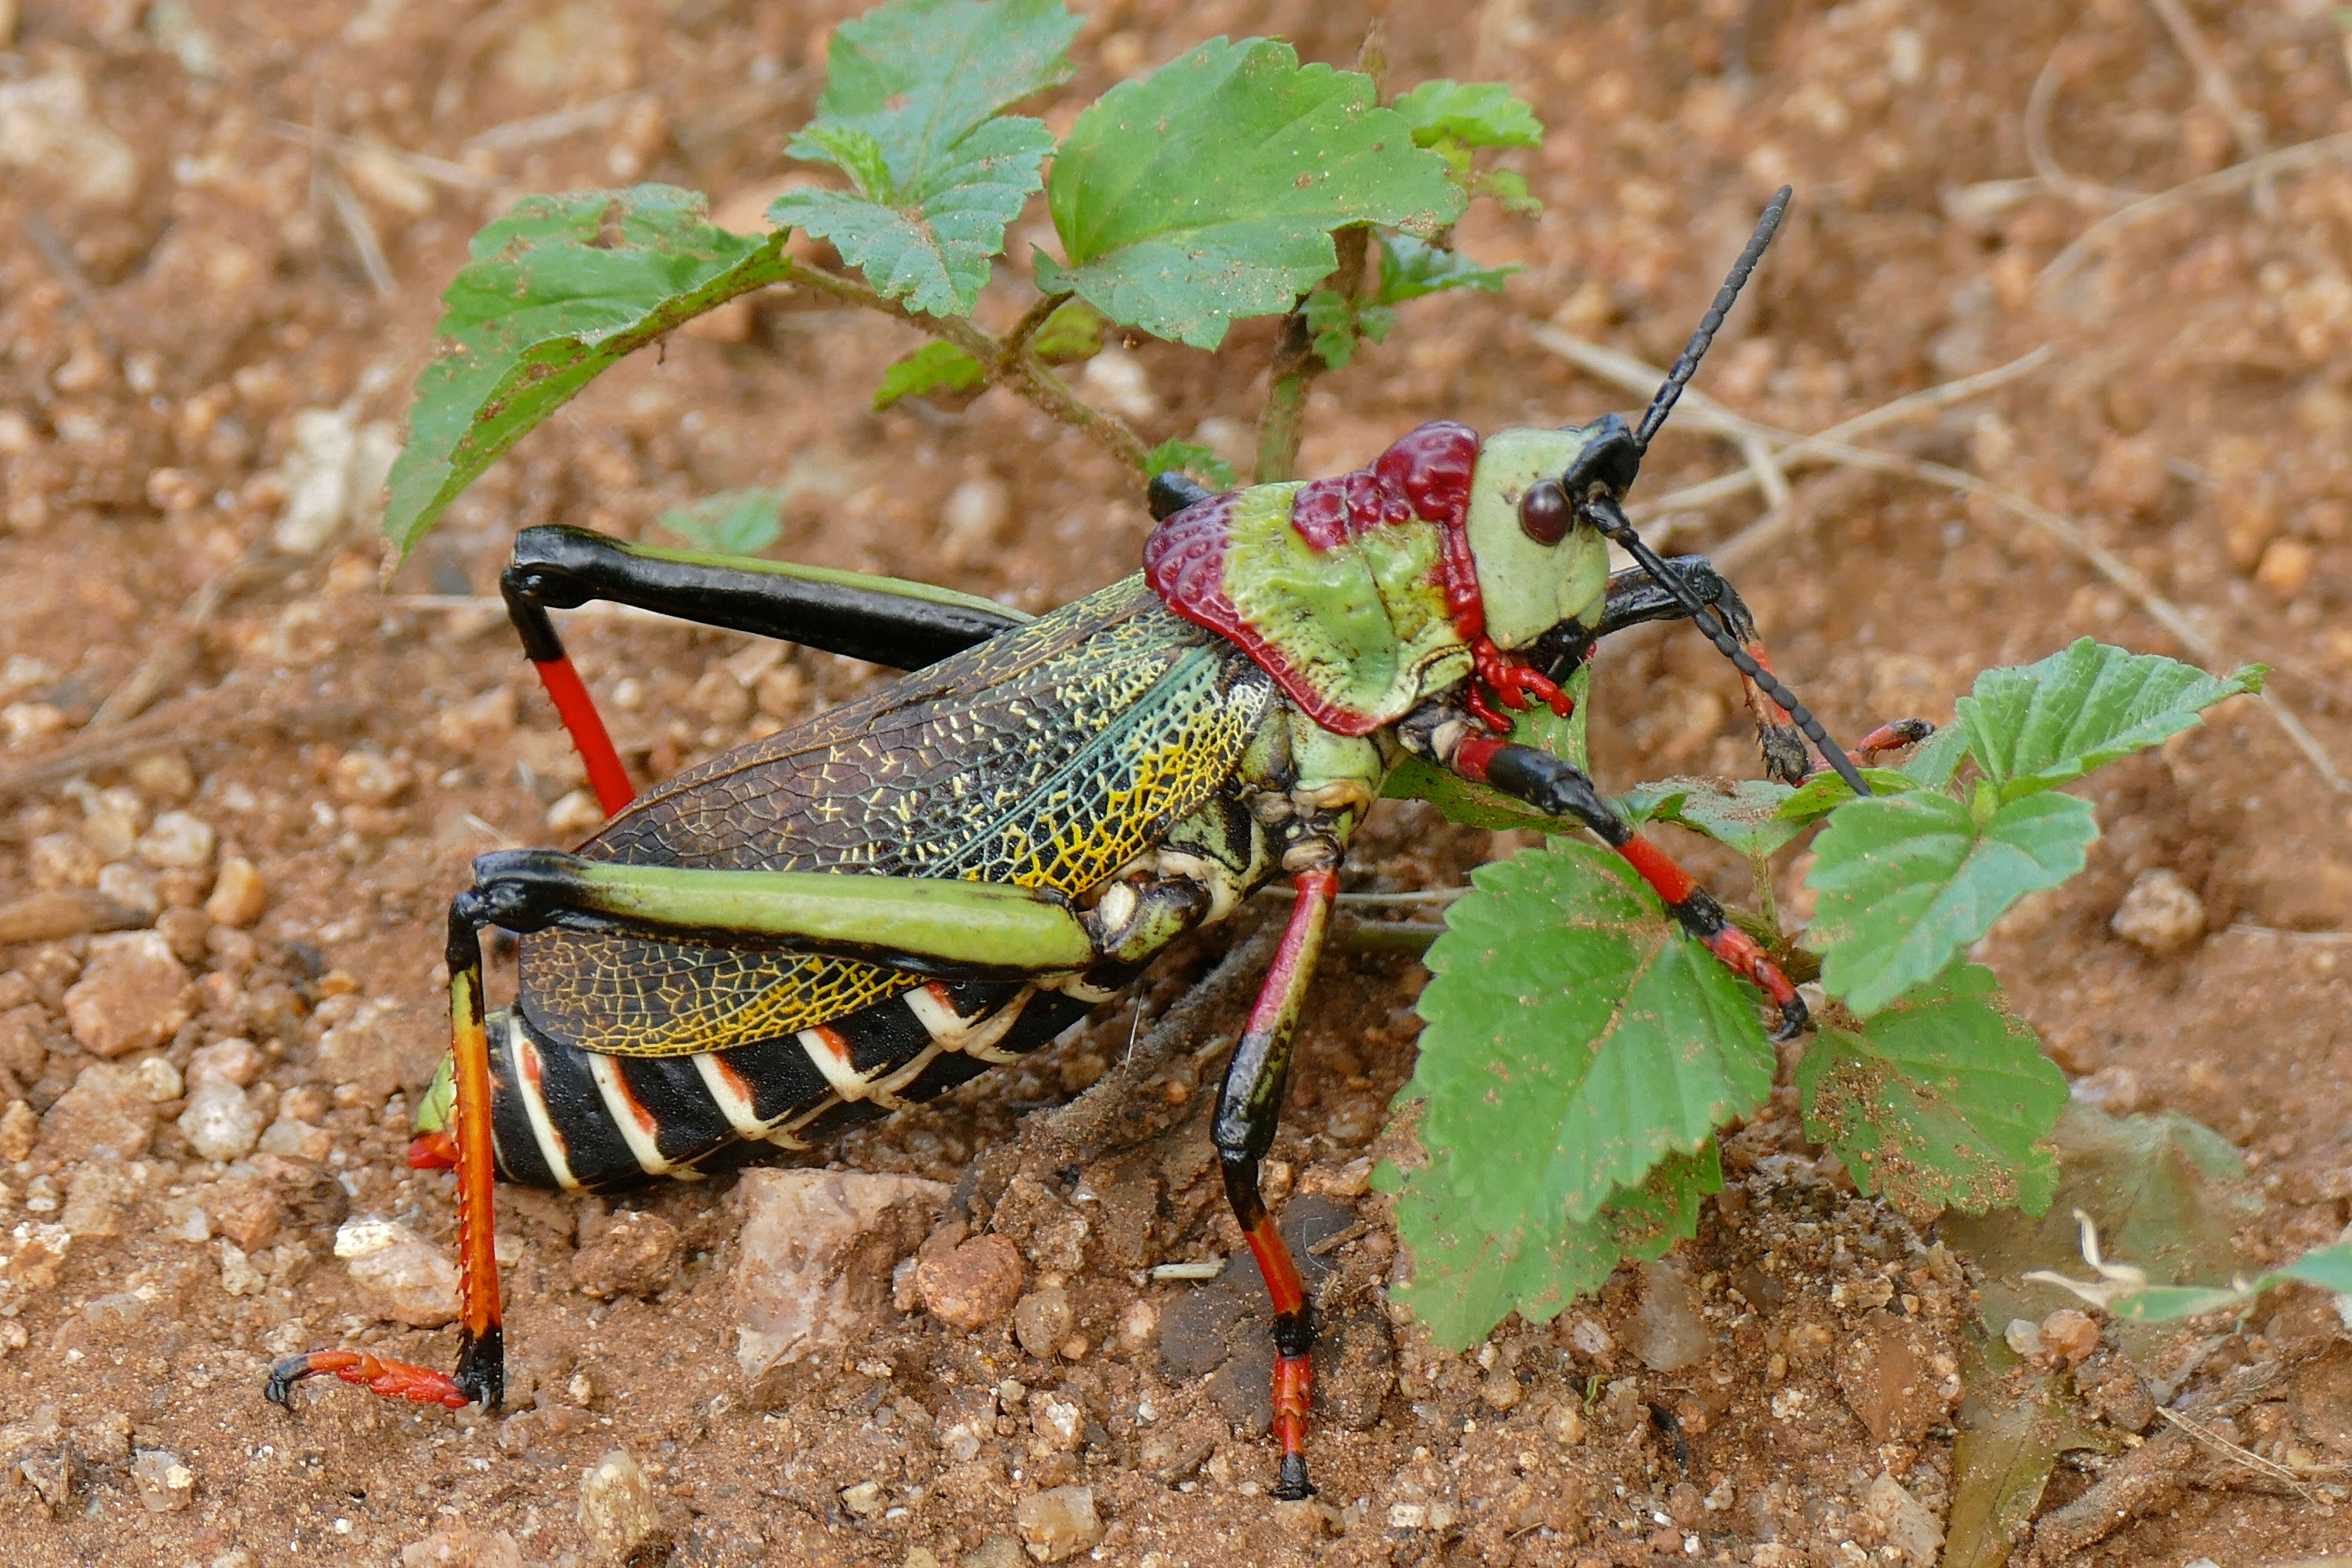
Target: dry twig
2245,125
1705,412
2236,1453
2221,183
2081,193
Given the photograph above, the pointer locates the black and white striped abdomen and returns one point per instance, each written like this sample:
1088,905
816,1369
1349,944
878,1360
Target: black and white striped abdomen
563,1116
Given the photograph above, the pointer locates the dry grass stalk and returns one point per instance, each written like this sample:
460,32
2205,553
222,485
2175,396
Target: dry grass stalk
1698,409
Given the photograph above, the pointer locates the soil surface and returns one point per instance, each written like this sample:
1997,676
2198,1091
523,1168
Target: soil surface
223,227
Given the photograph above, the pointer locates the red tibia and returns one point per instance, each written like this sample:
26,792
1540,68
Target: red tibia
434,1151
477,1267
1284,984
1283,1285
1470,757
1293,1396
392,1379
577,712
1671,882
1743,954
1765,709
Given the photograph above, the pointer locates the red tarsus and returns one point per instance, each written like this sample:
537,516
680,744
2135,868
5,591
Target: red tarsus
392,1379
577,712
1293,1376
1743,954
1293,1396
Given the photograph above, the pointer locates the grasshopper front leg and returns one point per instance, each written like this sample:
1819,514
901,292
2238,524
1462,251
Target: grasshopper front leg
1559,788
1249,1107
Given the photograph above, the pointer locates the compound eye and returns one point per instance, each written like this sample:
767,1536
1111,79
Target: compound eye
1544,513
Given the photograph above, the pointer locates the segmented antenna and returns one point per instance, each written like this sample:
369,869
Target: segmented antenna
1614,523
1696,350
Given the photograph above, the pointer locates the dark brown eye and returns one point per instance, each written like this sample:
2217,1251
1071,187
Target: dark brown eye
1544,513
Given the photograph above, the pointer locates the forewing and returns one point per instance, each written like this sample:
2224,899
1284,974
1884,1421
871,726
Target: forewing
1048,756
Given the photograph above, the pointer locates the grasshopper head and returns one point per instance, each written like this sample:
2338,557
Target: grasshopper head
1539,499
1540,562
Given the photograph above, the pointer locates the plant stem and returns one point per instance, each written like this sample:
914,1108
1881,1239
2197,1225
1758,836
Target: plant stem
1006,363
1016,341
1296,365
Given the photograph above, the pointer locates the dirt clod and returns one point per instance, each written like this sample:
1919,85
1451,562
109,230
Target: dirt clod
1058,1523
219,1122
1041,1321
248,1212
1671,1334
1884,1371
239,895
817,1255
2069,1335
2160,914
971,1284
636,1253
399,1274
133,994
104,1111
164,1484
99,1196
617,1502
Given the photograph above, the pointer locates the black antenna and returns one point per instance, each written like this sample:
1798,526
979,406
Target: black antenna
1712,322
1612,520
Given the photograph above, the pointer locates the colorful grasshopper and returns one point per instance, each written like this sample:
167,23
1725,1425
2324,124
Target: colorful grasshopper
871,908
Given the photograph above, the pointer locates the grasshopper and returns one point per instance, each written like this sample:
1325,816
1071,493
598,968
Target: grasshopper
869,908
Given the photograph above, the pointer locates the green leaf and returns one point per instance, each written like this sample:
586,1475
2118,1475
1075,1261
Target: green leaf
918,76
931,242
2011,1431
911,91
1508,189
1575,1038
1338,322
1072,333
1474,114
1825,792
2165,1192
2050,723
1906,881
936,366
1937,759
1941,1102
1745,815
1208,191
559,289
1466,1279
855,153
1410,268
1193,459
733,522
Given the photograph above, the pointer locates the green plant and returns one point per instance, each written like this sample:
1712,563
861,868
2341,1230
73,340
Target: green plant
1233,182
1579,1053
